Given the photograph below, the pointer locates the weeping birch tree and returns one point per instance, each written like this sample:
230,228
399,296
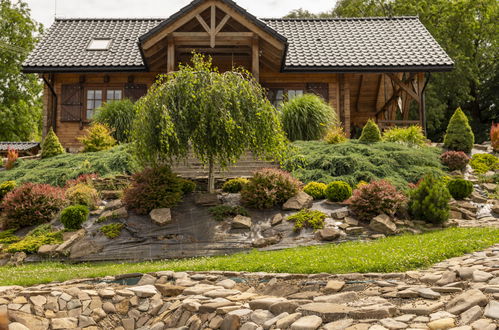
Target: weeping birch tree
216,116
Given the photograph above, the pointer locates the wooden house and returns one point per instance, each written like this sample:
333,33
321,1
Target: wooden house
365,68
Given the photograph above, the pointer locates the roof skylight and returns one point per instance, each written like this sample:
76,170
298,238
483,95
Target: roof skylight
99,44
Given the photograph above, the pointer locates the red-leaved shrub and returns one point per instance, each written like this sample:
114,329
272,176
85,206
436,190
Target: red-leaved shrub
375,198
494,136
32,204
153,188
455,160
269,187
12,156
84,178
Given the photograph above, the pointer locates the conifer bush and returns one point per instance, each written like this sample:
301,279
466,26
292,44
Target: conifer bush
455,160
12,156
482,163
307,218
494,137
83,194
459,135
338,191
234,185
412,136
335,135
6,187
97,138
429,201
316,189
51,146
118,116
370,133
72,217
460,188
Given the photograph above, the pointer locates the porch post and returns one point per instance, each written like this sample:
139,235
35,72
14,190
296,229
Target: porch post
422,106
170,60
255,62
346,103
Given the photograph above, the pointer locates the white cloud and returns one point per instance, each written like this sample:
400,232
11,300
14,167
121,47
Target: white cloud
44,10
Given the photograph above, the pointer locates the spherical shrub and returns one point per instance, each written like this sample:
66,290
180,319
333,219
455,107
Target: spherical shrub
455,160
51,146
459,135
82,194
370,133
460,188
306,117
6,187
234,185
335,135
338,191
412,136
97,138
316,189
32,204
308,219
72,217
118,116
269,187
188,186
429,201
153,188
482,163
374,198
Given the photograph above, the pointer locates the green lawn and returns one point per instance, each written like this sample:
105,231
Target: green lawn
392,254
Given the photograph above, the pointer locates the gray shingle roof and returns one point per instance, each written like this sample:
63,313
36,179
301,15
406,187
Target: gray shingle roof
360,43
20,146
335,45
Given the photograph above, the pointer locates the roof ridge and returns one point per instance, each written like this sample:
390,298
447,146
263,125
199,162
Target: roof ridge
109,19
340,18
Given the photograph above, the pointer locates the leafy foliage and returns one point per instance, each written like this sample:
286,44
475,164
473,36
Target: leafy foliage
217,116
459,135
353,162
112,230
12,156
234,185
494,137
370,133
8,237
31,244
482,163
338,191
118,116
455,160
306,117
72,217
307,218
460,188
269,187
153,188
6,187
335,135
87,179
221,212
51,146
429,201
187,186
97,138
32,204
412,136
316,189
83,194
377,197
57,170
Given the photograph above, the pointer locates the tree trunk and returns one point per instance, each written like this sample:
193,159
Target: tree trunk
211,176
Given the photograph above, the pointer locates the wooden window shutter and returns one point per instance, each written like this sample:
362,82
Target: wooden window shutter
71,102
319,89
135,91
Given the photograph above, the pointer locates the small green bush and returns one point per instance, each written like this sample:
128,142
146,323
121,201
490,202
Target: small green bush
429,201
118,116
234,185
412,136
460,188
459,135
97,138
32,242
307,218
335,135
72,217
187,186
338,191
482,163
51,146
8,237
112,230
370,133
455,160
221,212
6,187
306,117
316,189
83,194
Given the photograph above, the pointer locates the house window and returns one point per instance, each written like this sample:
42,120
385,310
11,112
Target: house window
113,95
97,97
292,93
277,96
99,44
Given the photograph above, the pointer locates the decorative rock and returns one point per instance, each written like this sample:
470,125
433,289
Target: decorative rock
276,219
260,316
442,324
492,310
390,323
161,217
241,222
326,311
206,199
169,290
383,224
38,300
17,326
147,279
471,315
340,213
108,307
227,284
480,276
47,248
264,303
67,244
466,300
144,291
283,307
328,234
338,298
231,322
249,326
428,293
28,320
302,200
310,322
448,277
338,325
64,323
286,321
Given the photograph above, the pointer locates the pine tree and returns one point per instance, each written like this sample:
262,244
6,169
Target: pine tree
51,146
430,201
459,135
370,133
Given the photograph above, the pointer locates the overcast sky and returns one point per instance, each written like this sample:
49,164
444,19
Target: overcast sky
43,10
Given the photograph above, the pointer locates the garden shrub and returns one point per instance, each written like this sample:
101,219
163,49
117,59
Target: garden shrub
377,197
6,187
72,217
307,218
335,135
118,116
12,156
234,185
459,135
412,136
97,138
153,188
112,230
187,186
494,137
460,188
370,133
338,191
269,187
8,237
83,194
306,117
51,146
455,160
222,212
42,235
482,163
32,204
87,179
429,201
316,189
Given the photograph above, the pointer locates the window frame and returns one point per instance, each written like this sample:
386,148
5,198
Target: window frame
104,89
109,43
285,88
